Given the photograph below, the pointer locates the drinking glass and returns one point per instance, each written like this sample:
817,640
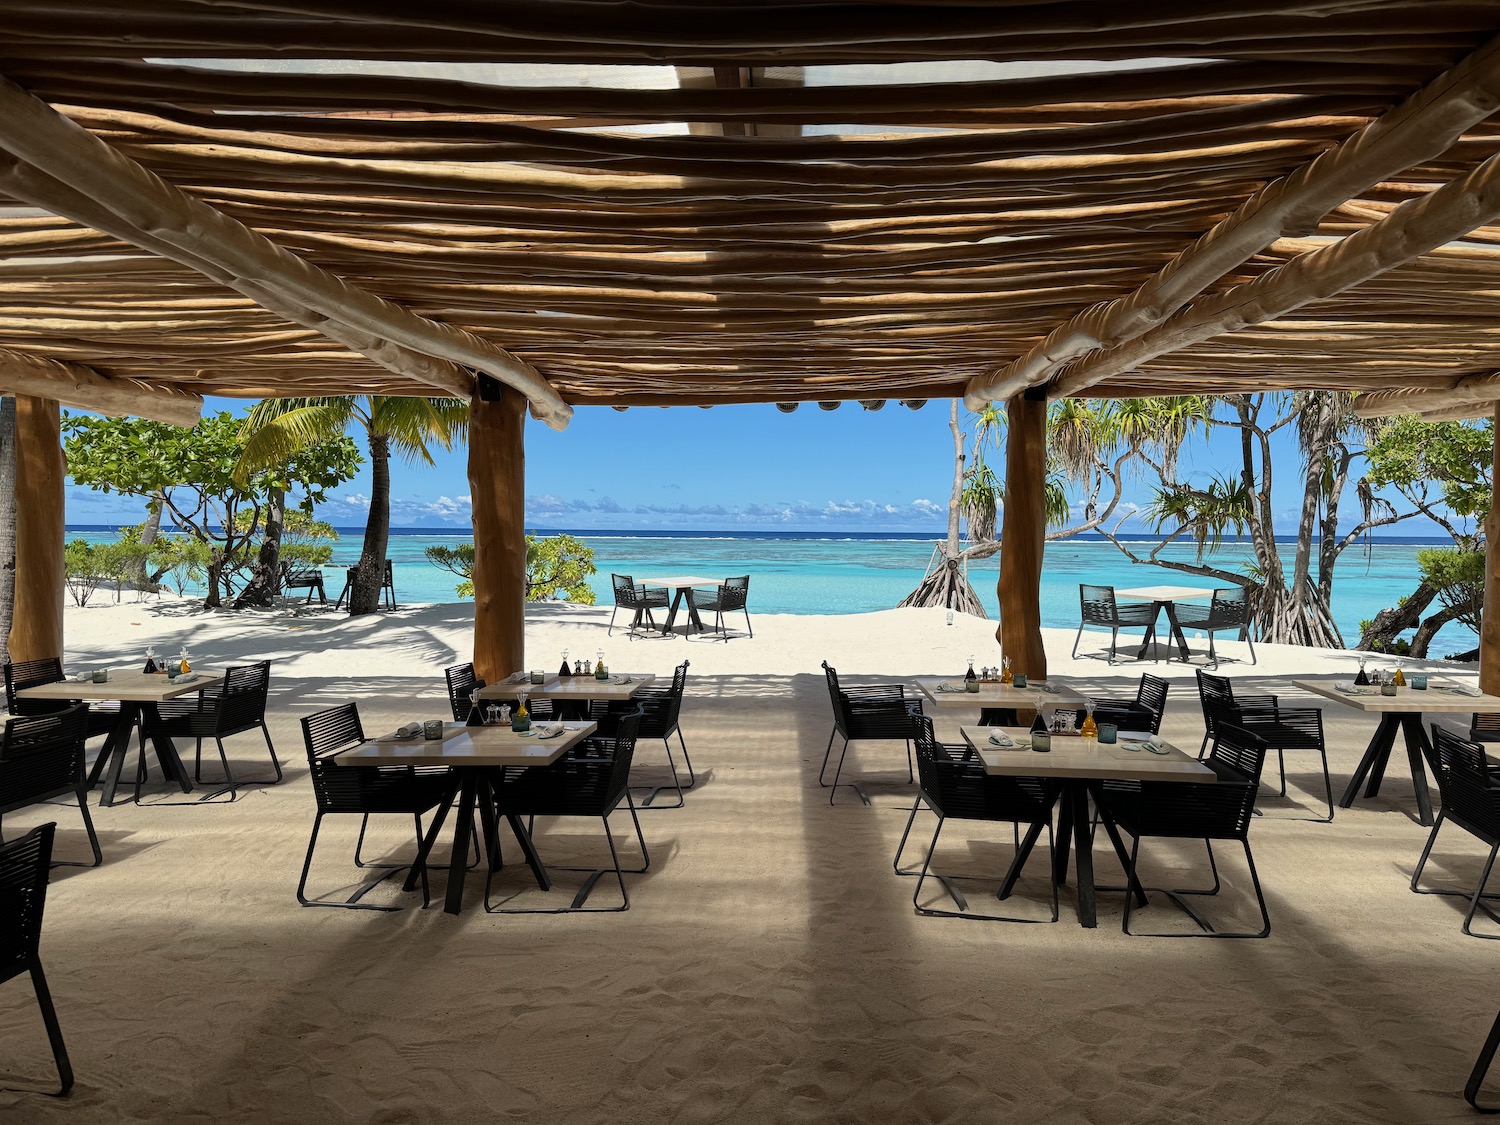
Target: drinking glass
1419,681
1107,732
1019,680
432,728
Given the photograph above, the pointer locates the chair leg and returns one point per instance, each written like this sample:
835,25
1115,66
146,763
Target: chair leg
352,904
692,777
1077,637
611,630
1130,881
1260,898
88,823
1416,875
916,894
834,788
54,1029
827,751
901,847
1251,643
228,775
1482,1066
275,761
910,775
747,625
1114,643
1484,878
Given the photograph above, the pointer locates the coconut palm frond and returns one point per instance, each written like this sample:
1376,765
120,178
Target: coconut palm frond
276,429
1056,504
412,424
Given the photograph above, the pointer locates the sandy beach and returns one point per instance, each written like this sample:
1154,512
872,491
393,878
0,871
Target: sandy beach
771,967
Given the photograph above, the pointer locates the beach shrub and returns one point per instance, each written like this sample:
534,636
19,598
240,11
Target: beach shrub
89,566
180,561
557,566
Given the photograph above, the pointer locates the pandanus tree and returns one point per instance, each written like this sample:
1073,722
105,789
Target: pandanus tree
404,426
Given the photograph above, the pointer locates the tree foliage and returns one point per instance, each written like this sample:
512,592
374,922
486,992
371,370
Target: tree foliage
194,472
557,566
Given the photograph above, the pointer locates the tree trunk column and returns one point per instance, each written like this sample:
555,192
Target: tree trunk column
37,629
1489,624
1023,535
497,488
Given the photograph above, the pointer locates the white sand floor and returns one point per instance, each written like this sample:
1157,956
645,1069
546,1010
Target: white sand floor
771,967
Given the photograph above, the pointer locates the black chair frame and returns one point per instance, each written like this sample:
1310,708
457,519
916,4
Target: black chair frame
1219,810
661,712
639,599
1228,610
41,759
235,706
1098,609
1469,788
387,586
309,578
731,596
364,791
1282,728
591,780
1143,713
880,712
24,863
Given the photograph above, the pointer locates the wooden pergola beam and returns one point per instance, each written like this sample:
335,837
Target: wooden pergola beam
1419,129
60,166
1466,397
83,387
1408,232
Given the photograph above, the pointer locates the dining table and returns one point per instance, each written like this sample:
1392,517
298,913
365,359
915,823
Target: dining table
471,754
1404,713
1078,767
949,693
1164,601
684,584
571,694
138,694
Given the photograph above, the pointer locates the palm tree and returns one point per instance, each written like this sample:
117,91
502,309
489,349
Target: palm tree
406,426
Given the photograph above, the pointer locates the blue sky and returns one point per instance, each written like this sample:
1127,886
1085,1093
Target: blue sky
725,469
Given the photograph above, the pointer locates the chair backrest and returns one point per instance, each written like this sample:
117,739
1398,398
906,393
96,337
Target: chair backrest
1484,728
23,898
734,592
836,696
625,594
1216,694
1469,795
1230,608
674,701
1097,604
242,702
1238,757
326,733
41,756
31,673
1152,695
462,683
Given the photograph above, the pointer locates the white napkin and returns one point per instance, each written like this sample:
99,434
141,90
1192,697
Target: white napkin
1465,689
1343,685
1001,739
189,678
547,730
622,679
83,678
410,730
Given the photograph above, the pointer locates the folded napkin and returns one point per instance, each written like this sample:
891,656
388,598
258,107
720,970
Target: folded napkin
622,679
189,678
1465,689
1354,689
950,687
83,678
1050,689
410,730
1001,739
547,730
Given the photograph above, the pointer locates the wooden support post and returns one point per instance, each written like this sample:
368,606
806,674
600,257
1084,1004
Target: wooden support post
1489,624
1023,535
497,487
36,629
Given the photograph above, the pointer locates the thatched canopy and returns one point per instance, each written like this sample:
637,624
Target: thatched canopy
701,203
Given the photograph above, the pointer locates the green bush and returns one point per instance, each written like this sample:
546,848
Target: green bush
556,567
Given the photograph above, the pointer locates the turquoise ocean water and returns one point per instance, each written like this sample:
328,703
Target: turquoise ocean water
816,573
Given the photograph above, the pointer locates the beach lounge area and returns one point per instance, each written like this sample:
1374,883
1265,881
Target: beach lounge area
771,966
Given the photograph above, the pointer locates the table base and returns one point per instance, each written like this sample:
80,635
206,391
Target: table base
1378,754
695,623
111,758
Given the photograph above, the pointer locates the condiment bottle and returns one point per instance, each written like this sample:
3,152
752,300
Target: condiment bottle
1398,679
150,660
1041,737
1007,677
971,681
183,667
520,719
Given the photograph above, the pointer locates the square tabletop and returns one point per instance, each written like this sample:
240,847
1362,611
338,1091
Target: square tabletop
1439,698
467,746
620,687
680,581
126,686
1074,757
1164,593
992,693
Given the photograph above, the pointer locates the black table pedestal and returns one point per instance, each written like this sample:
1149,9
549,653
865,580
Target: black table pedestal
1378,754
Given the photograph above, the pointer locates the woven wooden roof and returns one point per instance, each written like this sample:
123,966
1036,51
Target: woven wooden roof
659,203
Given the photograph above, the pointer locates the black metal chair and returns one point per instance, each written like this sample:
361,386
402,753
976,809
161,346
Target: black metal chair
640,600
953,784
236,706
1469,787
1207,811
1229,609
362,791
462,684
1484,728
49,670
661,710
387,586
309,578
1481,1068
23,899
1282,728
41,757
1099,610
881,711
731,596
590,780
1143,713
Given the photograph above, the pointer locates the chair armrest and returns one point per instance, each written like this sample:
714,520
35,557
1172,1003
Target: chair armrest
1256,702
